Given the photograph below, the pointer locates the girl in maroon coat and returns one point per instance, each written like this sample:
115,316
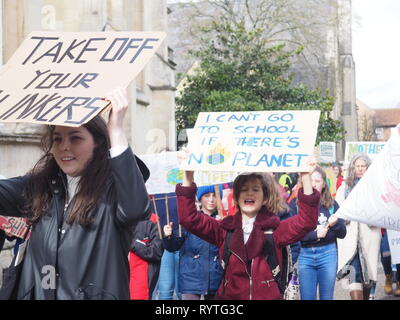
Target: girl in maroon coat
247,274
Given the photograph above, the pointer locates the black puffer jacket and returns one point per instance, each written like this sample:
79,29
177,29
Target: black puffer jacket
73,262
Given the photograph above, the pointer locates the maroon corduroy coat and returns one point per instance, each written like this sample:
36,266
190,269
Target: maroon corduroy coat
248,275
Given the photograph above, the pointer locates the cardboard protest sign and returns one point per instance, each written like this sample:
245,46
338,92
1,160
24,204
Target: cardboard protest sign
165,173
375,200
266,141
327,152
331,177
372,149
60,78
394,245
13,225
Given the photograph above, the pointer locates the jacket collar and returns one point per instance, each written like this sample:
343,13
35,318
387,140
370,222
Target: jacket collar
57,184
213,214
265,220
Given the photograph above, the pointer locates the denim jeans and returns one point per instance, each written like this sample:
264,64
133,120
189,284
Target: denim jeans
191,296
168,278
317,268
355,271
385,255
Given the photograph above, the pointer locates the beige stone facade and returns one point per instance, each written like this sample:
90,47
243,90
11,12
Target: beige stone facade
150,123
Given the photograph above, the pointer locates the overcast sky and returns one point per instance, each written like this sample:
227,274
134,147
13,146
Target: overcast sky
376,52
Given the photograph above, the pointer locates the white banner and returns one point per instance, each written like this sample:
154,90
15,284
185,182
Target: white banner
263,141
376,198
327,152
394,244
165,173
372,149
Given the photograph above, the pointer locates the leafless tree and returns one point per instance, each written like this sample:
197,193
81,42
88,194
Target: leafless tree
297,23
366,128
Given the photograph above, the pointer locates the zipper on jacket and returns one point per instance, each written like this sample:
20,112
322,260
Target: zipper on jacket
58,242
249,275
208,269
65,205
251,279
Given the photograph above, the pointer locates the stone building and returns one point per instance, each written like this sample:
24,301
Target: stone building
150,122
376,124
332,67
384,121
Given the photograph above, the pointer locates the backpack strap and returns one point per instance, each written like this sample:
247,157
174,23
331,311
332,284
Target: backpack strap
271,258
226,253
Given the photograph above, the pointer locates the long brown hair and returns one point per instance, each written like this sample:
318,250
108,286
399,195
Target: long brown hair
326,197
336,165
275,203
91,184
351,172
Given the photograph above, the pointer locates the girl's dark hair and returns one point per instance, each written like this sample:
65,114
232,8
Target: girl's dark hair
91,184
336,165
275,203
326,197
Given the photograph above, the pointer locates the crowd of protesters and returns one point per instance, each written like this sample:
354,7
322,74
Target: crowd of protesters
184,259
321,255
319,251
91,219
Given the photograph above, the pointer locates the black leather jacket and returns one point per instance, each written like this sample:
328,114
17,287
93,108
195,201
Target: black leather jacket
73,262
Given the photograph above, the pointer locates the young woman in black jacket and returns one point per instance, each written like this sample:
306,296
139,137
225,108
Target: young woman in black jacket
82,199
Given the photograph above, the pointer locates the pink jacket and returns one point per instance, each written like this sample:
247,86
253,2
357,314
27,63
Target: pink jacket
248,275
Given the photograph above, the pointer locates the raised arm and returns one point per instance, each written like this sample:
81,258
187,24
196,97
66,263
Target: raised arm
115,125
201,225
171,241
133,200
295,228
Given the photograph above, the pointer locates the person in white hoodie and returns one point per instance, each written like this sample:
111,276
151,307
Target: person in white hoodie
358,252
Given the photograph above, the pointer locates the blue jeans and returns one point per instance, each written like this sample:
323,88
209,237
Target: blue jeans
168,278
386,257
317,267
356,272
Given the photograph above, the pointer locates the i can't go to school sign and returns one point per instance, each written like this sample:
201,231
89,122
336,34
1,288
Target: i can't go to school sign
265,141
61,78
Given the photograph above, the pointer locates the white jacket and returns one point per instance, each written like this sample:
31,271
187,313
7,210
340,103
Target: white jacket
359,235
